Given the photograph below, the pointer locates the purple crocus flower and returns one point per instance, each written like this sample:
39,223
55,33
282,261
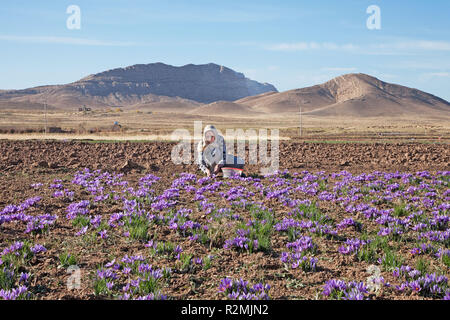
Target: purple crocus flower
38,248
103,234
82,231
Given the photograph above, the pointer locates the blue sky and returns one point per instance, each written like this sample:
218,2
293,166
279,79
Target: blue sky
290,44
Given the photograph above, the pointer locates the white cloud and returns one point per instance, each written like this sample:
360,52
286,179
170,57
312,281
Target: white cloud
65,40
339,69
273,68
303,46
438,74
415,45
387,48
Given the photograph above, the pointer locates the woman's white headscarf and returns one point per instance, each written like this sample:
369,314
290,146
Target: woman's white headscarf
214,151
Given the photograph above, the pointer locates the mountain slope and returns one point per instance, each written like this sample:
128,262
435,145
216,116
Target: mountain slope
191,88
145,83
224,108
352,95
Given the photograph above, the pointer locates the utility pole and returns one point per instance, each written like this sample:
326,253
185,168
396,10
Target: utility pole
45,107
300,120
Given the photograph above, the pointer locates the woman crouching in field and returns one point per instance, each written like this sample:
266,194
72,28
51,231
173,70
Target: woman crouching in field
212,153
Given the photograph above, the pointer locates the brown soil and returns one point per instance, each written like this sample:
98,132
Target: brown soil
60,156
25,162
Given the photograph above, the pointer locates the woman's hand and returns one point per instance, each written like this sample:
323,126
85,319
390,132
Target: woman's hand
218,168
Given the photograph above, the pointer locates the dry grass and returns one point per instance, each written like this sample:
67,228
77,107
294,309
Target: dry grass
159,126
102,137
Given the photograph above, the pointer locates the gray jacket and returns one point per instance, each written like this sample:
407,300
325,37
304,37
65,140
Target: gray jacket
215,153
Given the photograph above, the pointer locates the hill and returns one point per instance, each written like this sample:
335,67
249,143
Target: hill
224,108
145,83
351,95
